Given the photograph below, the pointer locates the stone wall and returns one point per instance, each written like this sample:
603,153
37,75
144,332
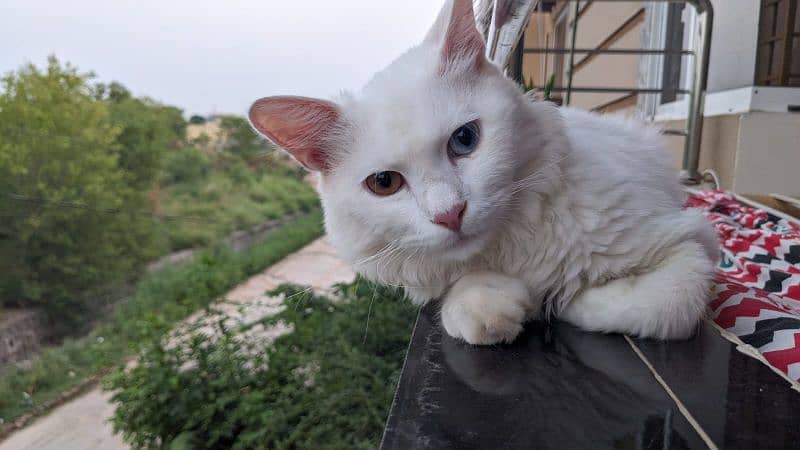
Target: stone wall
22,333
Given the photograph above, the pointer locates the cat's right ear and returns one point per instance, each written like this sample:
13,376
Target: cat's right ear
304,127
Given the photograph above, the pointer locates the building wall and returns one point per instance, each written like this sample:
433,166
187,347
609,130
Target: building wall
596,27
207,136
752,153
611,25
733,44
733,47
768,159
538,34
717,150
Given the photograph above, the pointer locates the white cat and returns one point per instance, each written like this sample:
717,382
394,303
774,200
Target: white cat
442,177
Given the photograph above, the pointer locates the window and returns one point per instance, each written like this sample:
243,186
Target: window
671,70
778,57
668,26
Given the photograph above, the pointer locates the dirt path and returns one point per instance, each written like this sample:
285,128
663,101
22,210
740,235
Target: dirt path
82,423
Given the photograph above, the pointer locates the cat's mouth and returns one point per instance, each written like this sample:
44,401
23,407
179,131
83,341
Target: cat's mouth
460,245
458,238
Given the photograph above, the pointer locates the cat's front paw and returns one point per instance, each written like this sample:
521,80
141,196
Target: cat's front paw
487,308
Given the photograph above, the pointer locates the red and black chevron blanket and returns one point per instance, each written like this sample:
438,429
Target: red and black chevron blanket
757,291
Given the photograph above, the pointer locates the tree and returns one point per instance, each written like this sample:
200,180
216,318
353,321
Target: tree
65,199
117,92
147,130
240,138
197,120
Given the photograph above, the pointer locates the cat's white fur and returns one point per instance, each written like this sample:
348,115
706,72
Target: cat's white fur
568,213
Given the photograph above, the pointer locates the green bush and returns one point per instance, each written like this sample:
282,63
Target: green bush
187,166
240,138
239,173
225,203
328,384
159,301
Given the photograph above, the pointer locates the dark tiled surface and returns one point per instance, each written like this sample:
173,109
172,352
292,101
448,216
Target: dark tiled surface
737,400
555,388
558,387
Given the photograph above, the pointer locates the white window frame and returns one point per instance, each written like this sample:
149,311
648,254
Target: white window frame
651,67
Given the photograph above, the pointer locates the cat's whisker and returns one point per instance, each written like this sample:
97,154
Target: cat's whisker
539,175
369,314
387,259
377,254
532,180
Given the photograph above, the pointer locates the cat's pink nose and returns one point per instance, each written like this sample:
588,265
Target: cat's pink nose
452,218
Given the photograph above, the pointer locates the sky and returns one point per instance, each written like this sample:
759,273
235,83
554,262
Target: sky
216,56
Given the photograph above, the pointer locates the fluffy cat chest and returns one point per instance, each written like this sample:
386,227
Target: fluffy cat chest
541,258
556,256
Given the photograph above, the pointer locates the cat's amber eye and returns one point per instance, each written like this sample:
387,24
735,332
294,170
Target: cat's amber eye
384,183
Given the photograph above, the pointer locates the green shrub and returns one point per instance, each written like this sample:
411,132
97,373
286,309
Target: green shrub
225,205
239,173
187,166
328,384
240,138
159,301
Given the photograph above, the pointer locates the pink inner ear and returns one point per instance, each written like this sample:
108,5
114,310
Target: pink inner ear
462,41
299,125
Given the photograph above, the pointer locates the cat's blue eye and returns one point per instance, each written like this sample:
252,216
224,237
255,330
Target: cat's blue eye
464,140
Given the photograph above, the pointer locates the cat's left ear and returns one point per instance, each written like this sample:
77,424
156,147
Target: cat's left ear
307,128
462,45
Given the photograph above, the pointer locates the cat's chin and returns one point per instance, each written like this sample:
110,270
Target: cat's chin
459,247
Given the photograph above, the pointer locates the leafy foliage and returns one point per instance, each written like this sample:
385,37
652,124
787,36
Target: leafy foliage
548,88
197,120
241,139
327,384
58,146
187,166
88,173
158,302
85,172
236,198
147,130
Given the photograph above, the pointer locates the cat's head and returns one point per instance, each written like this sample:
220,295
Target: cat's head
424,158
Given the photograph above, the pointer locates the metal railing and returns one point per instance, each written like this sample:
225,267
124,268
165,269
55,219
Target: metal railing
697,92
